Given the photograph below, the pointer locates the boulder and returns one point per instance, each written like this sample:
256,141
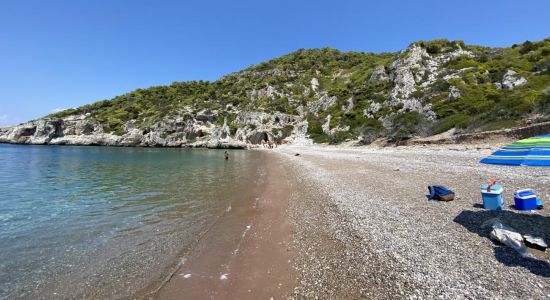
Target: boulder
511,80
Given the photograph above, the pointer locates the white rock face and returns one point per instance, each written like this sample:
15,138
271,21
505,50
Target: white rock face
314,84
406,72
454,92
325,101
373,108
403,72
185,130
328,131
510,80
299,135
348,106
417,71
268,92
434,69
326,125
379,74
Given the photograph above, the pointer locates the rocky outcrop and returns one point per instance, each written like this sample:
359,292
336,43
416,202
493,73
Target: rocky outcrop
454,93
323,102
299,135
372,109
314,84
414,73
200,130
379,75
405,73
511,80
332,131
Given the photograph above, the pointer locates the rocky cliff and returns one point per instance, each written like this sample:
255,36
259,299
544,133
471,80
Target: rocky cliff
198,130
320,95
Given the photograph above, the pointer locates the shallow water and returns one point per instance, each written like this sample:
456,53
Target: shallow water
102,222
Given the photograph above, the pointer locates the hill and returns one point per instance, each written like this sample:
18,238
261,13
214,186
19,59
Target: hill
323,95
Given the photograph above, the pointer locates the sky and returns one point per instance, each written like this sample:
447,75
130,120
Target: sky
60,54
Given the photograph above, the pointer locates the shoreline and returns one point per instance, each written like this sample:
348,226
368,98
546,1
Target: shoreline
351,237
247,252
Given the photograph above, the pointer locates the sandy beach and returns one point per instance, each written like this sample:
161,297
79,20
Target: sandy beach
247,253
354,222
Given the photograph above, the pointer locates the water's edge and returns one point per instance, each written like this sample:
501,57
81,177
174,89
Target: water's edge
246,199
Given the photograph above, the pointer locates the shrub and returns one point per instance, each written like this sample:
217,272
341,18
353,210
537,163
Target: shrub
369,131
454,121
499,124
287,130
527,47
462,62
542,104
315,130
404,126
339,137
543,67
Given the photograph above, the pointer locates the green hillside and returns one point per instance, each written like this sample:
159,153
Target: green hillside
368,95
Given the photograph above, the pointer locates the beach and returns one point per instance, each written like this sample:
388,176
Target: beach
309,222
354,222
388,242
247,253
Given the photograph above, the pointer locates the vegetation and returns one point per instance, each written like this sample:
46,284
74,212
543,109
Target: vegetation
285,83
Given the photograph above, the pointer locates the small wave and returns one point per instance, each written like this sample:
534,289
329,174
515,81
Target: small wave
246,230
6,217
142,196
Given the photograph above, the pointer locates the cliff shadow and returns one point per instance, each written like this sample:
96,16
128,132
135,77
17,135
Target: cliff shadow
478,223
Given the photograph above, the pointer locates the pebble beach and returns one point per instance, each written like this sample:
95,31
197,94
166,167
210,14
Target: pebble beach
363,228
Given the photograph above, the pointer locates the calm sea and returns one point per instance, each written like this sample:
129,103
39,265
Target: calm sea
102,222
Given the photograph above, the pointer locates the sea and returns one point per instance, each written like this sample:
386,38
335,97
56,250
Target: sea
108,222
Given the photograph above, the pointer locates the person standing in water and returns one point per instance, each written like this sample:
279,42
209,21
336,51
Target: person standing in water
226,155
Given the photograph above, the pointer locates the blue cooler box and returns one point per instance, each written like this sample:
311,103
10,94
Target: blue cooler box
525,200
492,199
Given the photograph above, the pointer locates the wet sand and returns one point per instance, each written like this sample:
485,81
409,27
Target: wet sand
247,253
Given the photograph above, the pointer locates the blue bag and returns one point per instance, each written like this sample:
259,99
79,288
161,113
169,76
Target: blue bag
439,192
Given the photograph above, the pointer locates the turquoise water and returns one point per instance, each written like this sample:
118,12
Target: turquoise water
102,222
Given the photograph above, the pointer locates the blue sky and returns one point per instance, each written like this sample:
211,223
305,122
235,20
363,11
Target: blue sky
61,54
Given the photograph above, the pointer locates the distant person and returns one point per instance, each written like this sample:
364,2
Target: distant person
226,155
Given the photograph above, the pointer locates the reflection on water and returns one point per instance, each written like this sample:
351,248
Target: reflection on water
103,222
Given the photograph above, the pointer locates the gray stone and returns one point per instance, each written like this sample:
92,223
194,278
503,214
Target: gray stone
511,80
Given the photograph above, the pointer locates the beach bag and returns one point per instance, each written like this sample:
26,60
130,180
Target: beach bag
441,193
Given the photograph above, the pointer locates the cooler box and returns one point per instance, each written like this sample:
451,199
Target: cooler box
492,199
525,200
